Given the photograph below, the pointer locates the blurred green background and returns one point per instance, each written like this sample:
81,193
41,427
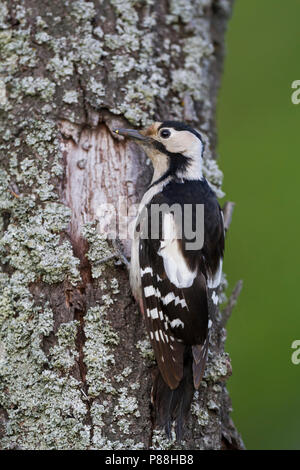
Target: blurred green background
259,154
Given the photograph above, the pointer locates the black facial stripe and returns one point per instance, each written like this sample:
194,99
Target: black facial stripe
177,161
179,158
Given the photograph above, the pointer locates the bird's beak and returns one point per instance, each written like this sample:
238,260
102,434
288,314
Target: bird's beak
131,134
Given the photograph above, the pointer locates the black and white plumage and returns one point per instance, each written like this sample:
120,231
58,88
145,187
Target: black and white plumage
169,280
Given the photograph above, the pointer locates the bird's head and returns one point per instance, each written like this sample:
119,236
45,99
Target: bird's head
174,148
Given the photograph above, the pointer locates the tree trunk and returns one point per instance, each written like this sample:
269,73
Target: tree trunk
75,362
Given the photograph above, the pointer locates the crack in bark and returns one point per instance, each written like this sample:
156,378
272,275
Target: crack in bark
80,342
83,92
77,301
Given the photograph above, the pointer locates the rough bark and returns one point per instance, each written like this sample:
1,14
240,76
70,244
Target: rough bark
75,362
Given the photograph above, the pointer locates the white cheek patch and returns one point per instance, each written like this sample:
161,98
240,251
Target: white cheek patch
184,142
214,282
190,146
175,265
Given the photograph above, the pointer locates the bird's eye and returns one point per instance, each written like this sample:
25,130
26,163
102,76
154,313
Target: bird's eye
165,133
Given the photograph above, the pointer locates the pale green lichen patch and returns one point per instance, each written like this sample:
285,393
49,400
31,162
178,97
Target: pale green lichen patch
82,11
38,398
127,33
148,82
127,405
217,368
108,57
103,443
125,373
184,10
16,50
200,413
213,406
34,248
98,351
98,91
3,98
214,175
70,97
137,91
99,249
42,37
51,403
114,284
3,16
190,77
146,350
30,86
45,408
99,413
64,354
161,442
61,67
89,52
180,10
134,29
112,400
32,243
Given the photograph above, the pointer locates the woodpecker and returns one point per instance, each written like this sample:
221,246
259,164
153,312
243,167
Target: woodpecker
170,278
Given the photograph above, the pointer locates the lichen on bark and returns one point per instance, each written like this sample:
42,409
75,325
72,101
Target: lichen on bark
75,364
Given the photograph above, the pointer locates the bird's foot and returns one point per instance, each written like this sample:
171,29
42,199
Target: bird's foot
116,243
118,255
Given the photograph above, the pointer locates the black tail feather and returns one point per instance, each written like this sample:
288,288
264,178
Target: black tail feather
174,405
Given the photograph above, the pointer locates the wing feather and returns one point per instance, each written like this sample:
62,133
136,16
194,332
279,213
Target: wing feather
167,349
175,281
166,308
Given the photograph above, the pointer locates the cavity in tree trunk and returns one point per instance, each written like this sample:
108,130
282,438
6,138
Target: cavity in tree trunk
75,362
